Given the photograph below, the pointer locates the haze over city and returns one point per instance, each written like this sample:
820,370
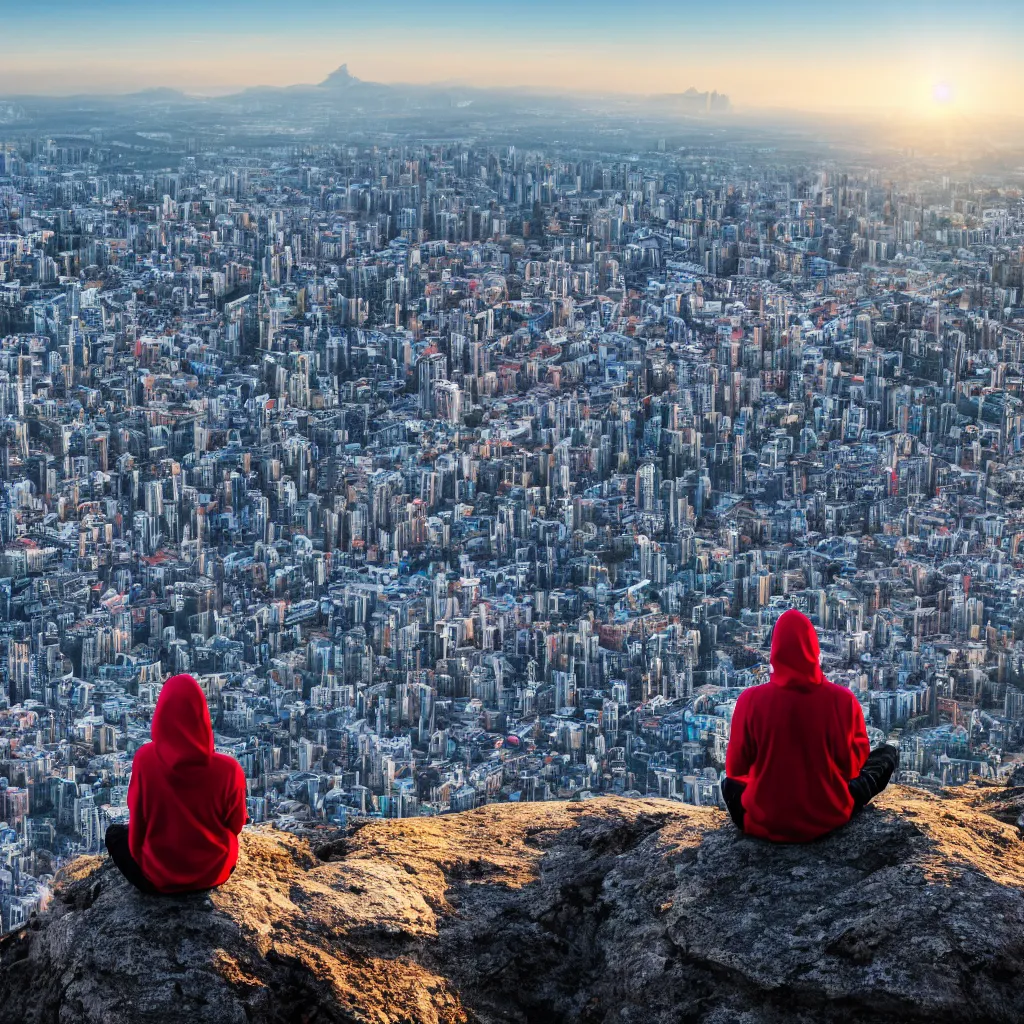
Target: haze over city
919,60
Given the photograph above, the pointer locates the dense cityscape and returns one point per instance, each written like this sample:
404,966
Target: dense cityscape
461,470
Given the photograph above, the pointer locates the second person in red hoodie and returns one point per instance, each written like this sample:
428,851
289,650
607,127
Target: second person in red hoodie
798,762
186,803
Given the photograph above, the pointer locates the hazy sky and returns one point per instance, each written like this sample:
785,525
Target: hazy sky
908,57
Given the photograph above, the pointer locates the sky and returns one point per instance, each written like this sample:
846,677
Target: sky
923,59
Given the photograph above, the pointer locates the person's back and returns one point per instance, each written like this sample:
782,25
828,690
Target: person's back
797,745
186,803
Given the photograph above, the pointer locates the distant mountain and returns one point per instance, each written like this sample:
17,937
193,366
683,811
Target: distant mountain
432,95
339,79
340,98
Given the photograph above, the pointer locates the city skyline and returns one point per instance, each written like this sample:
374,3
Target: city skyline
904,61
472,458
529,499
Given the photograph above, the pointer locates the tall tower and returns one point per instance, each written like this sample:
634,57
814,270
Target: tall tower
264,316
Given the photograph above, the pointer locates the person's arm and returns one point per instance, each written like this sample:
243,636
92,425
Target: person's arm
136,816
858,746
740,754
237,812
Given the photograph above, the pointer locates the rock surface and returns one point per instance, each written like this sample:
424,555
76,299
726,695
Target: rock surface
577,913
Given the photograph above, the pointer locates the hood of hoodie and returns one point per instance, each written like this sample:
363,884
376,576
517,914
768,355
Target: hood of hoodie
795,653
181,724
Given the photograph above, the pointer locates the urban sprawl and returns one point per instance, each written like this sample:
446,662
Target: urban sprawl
466,472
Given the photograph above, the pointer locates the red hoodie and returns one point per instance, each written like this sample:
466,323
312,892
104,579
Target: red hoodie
186,804
796,742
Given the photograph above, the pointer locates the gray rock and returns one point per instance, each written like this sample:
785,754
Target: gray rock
584,913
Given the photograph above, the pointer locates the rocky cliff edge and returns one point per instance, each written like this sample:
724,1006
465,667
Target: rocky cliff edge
602,911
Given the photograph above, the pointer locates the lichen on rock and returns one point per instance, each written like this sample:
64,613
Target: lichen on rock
594,912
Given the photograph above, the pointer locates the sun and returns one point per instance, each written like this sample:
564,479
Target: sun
935,99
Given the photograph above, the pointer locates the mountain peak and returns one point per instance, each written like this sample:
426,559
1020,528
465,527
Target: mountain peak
339,78
592,912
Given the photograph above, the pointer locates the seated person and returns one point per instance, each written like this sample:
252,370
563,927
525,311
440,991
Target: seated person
186,803
798,765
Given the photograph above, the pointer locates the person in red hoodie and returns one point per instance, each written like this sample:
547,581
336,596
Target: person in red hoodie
186,803
799,763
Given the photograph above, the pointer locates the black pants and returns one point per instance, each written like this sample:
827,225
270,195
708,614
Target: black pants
117,846
874,777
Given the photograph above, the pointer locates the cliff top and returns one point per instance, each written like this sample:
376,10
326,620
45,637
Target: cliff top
608,910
